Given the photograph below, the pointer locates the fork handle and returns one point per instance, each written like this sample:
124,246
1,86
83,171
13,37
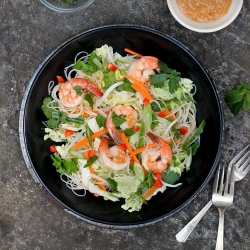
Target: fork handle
220,235
188,229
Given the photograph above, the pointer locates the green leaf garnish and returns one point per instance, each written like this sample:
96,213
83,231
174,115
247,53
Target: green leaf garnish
89,99
117,120
171,177
90,161
63,166
78,90
112,183
238,99
101,121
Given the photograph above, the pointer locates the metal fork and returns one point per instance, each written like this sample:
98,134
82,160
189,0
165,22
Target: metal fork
222,198
242,166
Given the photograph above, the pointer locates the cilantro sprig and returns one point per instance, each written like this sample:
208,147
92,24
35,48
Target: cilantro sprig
172,75
238,99
56,117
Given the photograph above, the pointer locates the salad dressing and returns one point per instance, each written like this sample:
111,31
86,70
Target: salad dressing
204,11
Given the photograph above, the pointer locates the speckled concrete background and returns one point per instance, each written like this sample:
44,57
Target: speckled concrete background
28,220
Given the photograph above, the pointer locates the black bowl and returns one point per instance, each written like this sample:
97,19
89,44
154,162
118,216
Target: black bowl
95,210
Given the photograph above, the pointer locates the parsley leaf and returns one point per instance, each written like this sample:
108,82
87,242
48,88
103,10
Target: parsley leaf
238,99
90,161
101,121
117,120
129,132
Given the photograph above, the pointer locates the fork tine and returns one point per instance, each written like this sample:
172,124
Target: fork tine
243,160
231,187
239,155
216,180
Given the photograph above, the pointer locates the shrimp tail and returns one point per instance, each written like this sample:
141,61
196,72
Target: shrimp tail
84,84
156,139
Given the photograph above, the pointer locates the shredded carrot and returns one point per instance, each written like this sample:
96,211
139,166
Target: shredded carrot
133,53
178,142
91,169
85,140
86,115
140,87
139,150
157,184
144,93
126,142
132,79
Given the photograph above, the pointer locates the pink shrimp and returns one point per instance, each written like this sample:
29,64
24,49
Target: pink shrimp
125,112
157,159
142,68
68,95
114,158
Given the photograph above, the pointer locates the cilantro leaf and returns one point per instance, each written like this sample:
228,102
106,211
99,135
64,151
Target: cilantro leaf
158,80
78,90
101,121
117,120
174,82
63,166
88,98
238,99
84,67
46,110
148,179
126,86
154,121
53,123
164,67
171,177
90,161
109,79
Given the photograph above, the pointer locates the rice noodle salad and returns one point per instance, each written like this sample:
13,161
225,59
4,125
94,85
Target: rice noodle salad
121,127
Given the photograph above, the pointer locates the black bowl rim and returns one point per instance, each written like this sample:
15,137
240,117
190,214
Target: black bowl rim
42,185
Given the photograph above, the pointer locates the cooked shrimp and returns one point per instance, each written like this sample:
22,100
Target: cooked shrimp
157,159
114,158
68,94
126,112
142,68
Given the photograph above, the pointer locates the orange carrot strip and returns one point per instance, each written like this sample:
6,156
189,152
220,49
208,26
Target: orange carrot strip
126,142
133,53
157,184
85,140
139,87
142,92
139,150
132,79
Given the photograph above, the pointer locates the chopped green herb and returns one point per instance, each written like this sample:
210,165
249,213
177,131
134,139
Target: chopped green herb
117,120
112,183
171,177
90,161
101,121
78,90
238,99
63,166
89,99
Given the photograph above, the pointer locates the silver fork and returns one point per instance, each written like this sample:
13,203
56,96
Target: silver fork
242,166
222,198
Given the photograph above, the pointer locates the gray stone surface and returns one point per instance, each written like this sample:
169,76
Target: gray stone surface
28,220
